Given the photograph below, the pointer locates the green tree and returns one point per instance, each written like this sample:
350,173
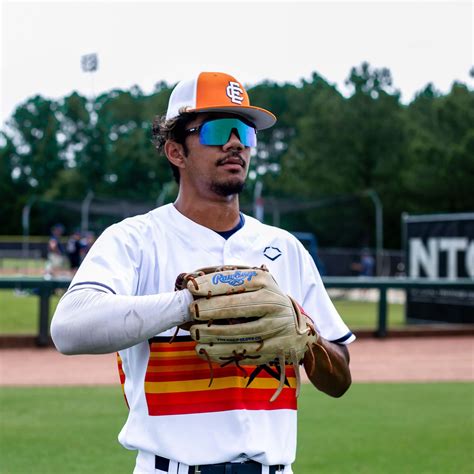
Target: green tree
108,147
132,168
36,158
324,152
441,145
13,193
344,147
74,115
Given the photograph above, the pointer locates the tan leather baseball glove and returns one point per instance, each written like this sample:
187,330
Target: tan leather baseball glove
241,316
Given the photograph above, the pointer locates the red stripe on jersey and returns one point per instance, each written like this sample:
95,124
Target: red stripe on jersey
219,400
122,377
173,347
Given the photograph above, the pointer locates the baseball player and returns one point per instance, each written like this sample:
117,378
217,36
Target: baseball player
190,410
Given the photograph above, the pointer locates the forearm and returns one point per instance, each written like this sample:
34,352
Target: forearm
327,366
92,322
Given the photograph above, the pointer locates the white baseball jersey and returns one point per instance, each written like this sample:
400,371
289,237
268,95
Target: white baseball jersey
173,411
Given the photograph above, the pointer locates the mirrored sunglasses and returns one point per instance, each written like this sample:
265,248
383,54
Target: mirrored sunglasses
218,131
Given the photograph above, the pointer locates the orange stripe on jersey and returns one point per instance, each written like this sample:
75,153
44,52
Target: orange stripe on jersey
194,374
192,385
183,346
177,382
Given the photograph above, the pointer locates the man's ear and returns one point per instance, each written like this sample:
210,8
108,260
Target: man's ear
175,153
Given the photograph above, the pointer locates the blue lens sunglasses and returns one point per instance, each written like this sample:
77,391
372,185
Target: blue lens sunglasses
217,132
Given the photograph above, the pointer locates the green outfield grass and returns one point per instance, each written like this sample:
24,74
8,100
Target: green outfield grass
375,428
364,314
20,265
19,313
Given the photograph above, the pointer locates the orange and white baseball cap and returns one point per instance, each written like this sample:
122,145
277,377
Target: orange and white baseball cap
216,92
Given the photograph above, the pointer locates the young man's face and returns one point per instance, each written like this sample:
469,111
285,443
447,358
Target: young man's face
220,169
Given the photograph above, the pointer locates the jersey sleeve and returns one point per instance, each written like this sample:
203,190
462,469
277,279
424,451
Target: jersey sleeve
319,306
111,264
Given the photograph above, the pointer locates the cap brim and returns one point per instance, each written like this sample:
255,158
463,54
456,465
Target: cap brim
261,118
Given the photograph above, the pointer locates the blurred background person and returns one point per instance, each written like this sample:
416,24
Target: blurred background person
367,264
86,243
56,258
73,249
365,267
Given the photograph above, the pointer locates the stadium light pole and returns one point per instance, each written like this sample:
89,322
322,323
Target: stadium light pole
85,206
25,223
372,194
258,206
90,63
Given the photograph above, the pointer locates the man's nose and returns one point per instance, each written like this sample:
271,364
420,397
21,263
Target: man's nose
234,141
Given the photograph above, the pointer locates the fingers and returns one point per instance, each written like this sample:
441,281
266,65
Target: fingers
253,331
243,305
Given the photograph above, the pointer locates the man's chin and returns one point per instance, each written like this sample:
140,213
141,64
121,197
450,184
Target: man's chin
228,188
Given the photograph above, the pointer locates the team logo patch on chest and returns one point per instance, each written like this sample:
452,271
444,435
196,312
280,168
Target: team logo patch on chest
272,253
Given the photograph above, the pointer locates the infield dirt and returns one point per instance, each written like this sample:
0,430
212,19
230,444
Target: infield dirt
372,360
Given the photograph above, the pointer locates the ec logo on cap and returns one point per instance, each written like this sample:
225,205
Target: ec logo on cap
234,92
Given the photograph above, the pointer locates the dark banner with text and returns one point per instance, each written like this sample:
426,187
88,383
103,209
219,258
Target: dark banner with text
440,246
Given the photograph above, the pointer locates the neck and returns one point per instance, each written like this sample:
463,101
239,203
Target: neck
219,214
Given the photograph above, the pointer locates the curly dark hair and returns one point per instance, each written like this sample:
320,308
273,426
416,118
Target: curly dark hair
174,129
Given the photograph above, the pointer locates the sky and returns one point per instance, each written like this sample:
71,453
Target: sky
143,42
